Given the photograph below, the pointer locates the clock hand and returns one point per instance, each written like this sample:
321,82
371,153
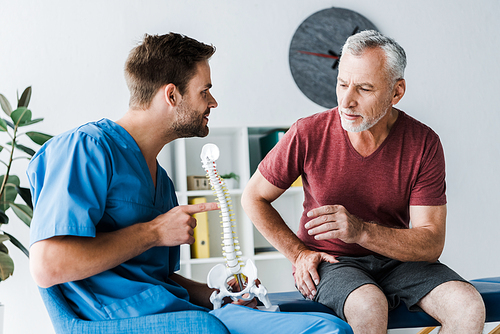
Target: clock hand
336,62
331,55
319,54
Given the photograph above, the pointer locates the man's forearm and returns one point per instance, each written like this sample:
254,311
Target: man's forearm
417,244
70,258
270,224
423,242
199,293
256,201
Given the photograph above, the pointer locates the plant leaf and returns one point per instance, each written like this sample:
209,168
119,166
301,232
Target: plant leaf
18,244
25,194
4,219
4,248
24,212
5,105
33,121
21,115
10,191
25,98
3,238
38,137
26,149
6,266
9,123
3,125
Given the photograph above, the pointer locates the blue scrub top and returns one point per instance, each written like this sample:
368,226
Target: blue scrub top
95,179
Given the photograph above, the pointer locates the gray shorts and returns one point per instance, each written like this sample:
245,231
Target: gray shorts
407,281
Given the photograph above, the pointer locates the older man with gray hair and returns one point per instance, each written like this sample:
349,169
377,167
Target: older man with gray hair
368,170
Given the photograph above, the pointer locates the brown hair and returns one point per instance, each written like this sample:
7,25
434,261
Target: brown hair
160,60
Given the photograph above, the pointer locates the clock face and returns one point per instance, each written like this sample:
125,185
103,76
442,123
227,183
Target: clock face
316,47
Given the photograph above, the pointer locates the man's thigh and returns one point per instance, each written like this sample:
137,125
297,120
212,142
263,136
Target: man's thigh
412,281
338,281
407,281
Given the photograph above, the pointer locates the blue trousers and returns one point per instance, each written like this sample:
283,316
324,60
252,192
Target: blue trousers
243,320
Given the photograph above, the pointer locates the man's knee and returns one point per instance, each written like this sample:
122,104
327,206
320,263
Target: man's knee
455,302
366,310
366,301
466,300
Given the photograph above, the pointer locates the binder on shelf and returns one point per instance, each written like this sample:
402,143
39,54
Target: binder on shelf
298,182
268,141
200,249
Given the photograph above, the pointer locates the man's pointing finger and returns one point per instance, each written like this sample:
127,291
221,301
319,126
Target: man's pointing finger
191,209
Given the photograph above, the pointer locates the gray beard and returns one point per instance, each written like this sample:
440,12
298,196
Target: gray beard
365,124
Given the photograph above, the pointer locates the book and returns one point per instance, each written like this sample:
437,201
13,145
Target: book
268,141
297,183
200,249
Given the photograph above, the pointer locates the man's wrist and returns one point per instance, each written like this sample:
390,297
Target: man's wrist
300,251
366,231
150,232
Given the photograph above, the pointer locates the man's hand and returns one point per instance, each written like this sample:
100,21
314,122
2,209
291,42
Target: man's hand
233,283
175,227
306,270
334,222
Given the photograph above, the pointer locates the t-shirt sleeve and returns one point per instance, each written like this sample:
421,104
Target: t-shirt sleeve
284,163
430,186
69,180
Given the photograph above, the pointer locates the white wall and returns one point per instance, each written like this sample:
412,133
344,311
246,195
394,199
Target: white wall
73,55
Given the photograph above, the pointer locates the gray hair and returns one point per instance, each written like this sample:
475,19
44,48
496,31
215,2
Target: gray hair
395,55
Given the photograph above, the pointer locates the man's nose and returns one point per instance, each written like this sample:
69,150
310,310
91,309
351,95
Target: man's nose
212,103
347,98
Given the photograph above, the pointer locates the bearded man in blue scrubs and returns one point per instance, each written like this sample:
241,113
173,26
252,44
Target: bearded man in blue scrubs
107,226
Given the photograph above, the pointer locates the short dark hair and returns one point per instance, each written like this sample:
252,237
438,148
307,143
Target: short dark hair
160,60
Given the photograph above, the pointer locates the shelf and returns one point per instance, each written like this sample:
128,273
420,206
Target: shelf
213,260
206,193
268,256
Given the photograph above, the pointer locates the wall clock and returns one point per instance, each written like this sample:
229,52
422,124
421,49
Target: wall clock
315,49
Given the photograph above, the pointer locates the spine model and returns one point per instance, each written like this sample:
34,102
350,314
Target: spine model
244,273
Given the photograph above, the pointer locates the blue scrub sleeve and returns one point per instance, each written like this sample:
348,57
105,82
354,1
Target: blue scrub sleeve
69,180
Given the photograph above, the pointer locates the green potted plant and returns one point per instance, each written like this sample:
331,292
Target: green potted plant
231,180
10,184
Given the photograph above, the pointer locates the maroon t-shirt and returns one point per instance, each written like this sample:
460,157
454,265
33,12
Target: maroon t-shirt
407,169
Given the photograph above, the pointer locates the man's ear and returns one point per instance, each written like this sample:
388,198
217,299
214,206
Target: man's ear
172,95
399,91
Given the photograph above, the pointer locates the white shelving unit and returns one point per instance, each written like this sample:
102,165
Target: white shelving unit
240,154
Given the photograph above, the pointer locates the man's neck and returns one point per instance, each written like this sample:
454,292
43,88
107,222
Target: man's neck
368,141
150,135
